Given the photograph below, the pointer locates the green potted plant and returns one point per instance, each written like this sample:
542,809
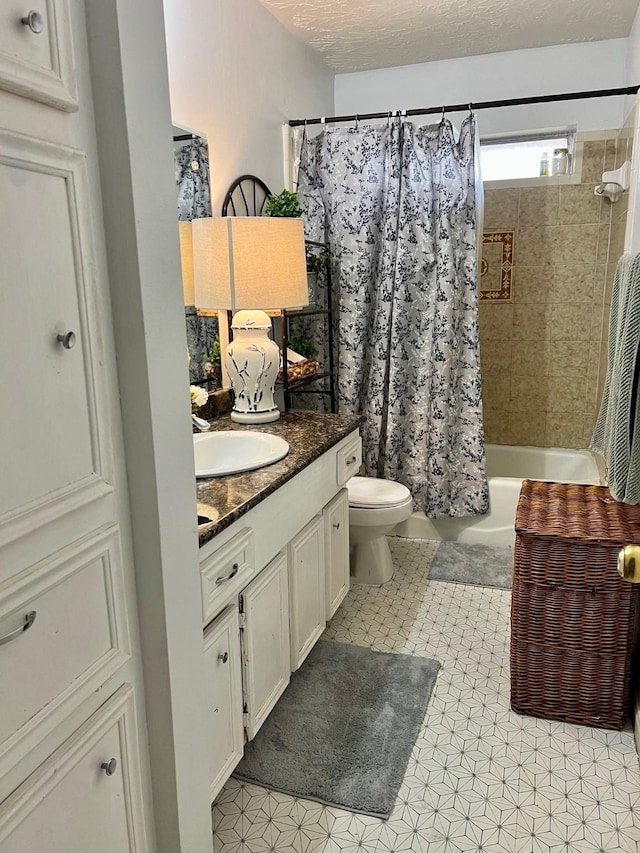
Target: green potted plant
285,204
213,364
303,345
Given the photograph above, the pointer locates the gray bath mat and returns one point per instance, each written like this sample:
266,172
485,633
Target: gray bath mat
343,731
482,565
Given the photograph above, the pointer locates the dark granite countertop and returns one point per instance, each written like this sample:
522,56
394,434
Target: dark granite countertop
309,434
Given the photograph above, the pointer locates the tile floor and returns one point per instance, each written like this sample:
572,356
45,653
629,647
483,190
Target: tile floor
480,777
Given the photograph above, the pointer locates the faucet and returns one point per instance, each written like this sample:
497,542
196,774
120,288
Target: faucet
201,424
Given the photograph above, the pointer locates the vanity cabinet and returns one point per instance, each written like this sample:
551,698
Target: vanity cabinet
307,589
270,581
223,673
336,530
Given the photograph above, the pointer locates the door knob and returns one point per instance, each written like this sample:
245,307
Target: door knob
629,563
109,766
223,657
34,21
68,340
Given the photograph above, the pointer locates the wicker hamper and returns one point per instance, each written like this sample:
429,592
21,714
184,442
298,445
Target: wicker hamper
572,615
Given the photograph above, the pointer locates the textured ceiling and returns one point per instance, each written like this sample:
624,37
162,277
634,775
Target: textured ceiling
356,35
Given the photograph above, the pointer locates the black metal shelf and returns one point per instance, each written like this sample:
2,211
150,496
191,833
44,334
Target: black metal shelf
300,386
309,311
296,385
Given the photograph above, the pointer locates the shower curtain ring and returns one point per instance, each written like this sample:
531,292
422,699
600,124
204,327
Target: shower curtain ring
357,122
442,119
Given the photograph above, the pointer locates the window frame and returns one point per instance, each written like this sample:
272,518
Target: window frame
550,134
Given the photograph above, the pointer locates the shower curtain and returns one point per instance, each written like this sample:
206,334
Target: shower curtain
192,179
397,206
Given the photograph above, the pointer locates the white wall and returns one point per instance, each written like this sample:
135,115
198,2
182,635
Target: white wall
514,74
237,76
633,52
131,96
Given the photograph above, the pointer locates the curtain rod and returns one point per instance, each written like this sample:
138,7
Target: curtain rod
478,105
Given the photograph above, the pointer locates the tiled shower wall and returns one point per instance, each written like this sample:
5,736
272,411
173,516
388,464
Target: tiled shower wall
542,349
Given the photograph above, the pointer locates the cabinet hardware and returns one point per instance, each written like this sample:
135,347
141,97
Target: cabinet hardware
234,571
29,619
337,525
34,21
351,460
68,340
629,563
109,766
223,657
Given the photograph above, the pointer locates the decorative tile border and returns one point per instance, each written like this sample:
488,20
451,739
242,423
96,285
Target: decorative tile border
496,265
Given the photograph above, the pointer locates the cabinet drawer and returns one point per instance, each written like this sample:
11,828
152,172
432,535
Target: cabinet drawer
70,803
348,460
38,64
77,639
226,572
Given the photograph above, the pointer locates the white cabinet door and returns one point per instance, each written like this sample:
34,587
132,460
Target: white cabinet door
72,803
224,696
55,440
36,57
265,642
336,529
306,590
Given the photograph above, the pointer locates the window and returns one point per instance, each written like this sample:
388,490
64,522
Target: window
511,157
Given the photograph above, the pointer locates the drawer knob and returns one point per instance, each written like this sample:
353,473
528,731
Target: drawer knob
109,766
34,21
351,460
234,571
337,525
29,619
68,340
223,658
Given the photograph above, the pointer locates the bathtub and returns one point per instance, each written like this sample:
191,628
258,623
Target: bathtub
507,467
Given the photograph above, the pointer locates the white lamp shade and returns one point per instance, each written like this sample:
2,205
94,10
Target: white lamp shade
249,262
186,258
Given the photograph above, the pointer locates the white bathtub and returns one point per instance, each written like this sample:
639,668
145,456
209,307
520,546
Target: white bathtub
507,467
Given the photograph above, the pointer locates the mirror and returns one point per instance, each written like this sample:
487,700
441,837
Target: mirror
193,190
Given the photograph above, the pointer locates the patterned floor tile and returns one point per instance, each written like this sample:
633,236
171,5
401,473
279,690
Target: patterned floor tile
480,778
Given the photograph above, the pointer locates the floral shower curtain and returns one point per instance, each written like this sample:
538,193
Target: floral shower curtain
192,180
397,206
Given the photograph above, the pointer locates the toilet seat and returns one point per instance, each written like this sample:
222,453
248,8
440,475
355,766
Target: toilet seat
373,493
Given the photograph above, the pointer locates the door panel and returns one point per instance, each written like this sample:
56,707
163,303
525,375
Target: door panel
306,589
265,642
223,672
70,804
49,392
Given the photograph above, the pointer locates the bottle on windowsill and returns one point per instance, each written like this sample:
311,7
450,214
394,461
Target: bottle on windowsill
544,165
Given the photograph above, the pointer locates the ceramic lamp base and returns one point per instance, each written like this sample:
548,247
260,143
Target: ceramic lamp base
252,364
255,417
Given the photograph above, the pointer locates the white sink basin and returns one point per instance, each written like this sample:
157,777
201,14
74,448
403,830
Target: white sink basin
220,453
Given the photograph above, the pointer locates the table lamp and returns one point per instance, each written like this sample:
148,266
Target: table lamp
249,265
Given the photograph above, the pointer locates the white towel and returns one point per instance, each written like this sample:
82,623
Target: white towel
617,433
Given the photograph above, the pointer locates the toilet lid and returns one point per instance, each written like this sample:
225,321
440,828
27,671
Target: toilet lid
370,491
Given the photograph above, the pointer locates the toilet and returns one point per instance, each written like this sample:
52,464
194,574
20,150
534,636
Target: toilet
375,507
